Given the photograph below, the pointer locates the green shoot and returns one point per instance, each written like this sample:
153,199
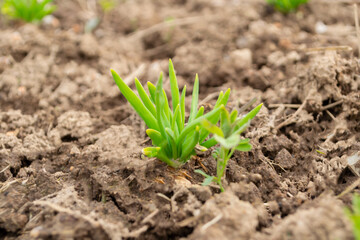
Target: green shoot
286,6
27,10
174,141
108,5
354,215
228,136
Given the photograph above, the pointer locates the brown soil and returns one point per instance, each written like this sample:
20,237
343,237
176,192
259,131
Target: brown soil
70,145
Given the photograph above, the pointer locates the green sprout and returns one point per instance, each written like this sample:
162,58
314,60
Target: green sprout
108,5
174,141
286,6
27,10
354,215
228,136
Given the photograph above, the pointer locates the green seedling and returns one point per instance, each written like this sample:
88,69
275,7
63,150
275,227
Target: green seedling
354,215
27,10
286,6
228,136
174,141
108,5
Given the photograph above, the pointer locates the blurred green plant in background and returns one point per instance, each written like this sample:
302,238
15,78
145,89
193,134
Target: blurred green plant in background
27,10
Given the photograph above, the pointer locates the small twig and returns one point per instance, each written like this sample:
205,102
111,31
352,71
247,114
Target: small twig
331,115
164,196
329,48
290,119
134,74
212,222
331,105
150,216
356,17
276,105
246,105
7,184
349,188
160,26
208,98
6,168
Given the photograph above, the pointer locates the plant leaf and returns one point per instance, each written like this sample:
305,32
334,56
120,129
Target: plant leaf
135,102
229,142
151,151
171,137
244,147
145,98
155,137
233,115
152,91
174,86
182,108
212,128
189,147
200,112
193,124
207,181
225,123
249,116
194,100
202,173
209,143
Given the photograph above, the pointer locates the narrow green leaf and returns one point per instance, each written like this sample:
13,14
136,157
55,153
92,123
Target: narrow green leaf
173,86
182,108
221,95
189,147
207,181
200,112
155,137
233,115
193,124
209,143
135,102
152,91
159,103
174,119
145,98
229,142
151,151
225,98
249,116
194,100
171,137
225,123
212,128
163,157
245,147
201,172
166,107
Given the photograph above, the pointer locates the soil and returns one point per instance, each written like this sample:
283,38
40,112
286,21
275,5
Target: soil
70,145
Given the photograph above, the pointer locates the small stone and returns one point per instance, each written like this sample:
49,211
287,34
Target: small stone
89,46
241,58
284,159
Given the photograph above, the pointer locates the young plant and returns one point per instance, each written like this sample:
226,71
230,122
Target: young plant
228,136
108,5
174,141
27,10
354,215
286,6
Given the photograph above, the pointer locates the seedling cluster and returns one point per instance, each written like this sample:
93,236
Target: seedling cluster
27,10
175,140
228,136
286,6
